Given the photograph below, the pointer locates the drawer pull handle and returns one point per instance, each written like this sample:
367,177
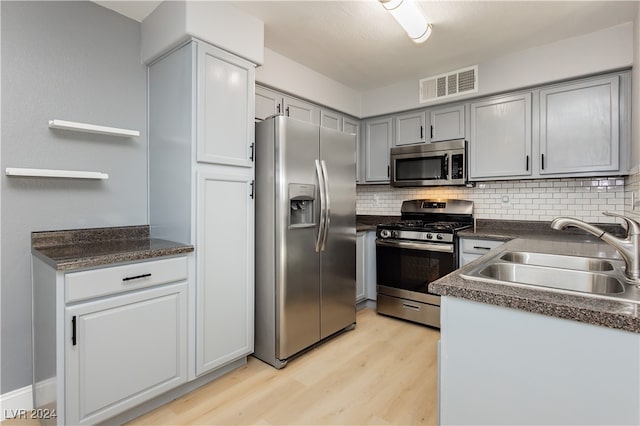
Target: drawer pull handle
412,307
137,277
481,248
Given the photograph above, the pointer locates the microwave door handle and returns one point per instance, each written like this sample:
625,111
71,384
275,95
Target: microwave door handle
446,166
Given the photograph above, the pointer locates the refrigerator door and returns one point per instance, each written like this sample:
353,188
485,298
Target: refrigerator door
298,264
338,259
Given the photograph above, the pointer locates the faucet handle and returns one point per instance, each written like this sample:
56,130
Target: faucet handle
633,227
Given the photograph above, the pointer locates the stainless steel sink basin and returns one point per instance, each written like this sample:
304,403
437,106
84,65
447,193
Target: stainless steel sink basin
557,261
572,267
565,279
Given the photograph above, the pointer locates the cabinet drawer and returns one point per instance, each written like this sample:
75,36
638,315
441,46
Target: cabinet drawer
116,279
479,246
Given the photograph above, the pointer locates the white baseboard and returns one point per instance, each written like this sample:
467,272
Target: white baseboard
16,402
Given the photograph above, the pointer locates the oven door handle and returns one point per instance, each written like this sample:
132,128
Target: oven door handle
444,248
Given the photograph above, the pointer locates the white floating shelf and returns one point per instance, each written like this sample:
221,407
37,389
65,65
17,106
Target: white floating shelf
13,171
92,128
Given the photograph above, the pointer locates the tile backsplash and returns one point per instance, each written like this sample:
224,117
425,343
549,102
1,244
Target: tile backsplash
540,199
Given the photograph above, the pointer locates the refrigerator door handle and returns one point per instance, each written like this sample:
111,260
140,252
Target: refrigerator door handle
327,205
321,225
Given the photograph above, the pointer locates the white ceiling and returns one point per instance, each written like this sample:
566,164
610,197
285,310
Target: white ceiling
359,44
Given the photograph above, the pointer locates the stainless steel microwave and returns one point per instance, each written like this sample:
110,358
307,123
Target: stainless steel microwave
430,164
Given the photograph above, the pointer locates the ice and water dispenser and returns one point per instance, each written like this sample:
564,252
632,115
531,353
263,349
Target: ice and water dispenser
301,205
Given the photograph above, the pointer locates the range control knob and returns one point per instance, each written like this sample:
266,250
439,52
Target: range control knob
385,233
429,236
439,236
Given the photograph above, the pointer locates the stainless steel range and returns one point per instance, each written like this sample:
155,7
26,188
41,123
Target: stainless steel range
415,251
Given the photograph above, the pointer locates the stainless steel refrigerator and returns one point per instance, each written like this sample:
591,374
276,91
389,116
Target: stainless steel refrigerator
305,236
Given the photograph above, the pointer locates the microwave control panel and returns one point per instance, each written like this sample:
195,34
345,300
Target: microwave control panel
457,166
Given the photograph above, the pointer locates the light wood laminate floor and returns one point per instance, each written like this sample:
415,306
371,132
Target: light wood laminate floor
382,372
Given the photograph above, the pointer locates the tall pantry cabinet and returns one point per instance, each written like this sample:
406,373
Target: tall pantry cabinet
201,107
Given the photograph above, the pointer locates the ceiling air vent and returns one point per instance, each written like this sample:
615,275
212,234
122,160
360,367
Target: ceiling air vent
449,84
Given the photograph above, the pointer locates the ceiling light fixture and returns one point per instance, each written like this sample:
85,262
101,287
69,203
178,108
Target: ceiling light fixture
409,17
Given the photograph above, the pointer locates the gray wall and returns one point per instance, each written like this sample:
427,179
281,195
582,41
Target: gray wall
72,61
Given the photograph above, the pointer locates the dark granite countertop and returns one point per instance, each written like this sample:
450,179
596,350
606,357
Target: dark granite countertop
617,314
505,230
365,222
85,248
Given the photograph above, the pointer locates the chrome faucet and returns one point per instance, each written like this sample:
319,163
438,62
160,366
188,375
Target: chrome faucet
628,247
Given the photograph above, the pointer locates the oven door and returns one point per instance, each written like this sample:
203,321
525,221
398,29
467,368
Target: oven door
405,269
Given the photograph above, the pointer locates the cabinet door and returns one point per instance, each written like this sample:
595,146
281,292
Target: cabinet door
331,120
225,108
225,265
579,127
268,103
301,110
353,126
360,266
500,140
447,123
377,144
127,349
410,128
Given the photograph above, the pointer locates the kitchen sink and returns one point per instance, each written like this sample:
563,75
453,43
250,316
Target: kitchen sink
565,279
557,261
570,267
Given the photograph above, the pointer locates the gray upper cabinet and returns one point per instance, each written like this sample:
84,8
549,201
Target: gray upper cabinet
447,123
500,139
268,103
410,128
378,141
579,127
353,126
225,110
331,120
301,110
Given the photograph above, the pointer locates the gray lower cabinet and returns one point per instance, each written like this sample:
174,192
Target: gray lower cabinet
472,249
104,343
365,266
500,140
360,266
378,141
579,127
500,366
